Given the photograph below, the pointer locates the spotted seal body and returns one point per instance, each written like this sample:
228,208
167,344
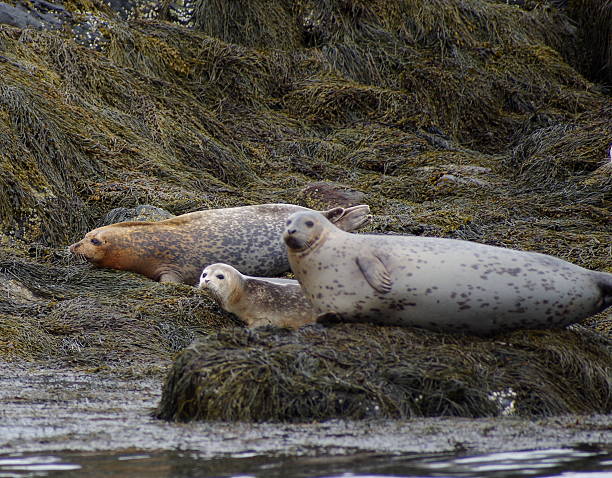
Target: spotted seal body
258,301
177,249
441,284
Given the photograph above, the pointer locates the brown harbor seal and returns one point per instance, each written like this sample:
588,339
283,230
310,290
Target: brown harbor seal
441,284
258,301
177,249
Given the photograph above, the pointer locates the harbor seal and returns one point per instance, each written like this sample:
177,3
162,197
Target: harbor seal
441,284
177,249
258,301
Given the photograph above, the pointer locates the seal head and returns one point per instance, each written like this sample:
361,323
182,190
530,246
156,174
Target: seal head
223,282
92,247
103,248
304,230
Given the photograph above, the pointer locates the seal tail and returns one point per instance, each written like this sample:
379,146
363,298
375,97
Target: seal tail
604,282
353,218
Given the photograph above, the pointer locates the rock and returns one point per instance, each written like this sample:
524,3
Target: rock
38,14
322,195
451,179
144,212
15,291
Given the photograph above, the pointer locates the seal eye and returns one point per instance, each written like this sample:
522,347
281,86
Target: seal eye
204,274
288,222
96,242
220,276
309,223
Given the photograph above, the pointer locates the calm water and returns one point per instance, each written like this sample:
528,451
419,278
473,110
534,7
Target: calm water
583,462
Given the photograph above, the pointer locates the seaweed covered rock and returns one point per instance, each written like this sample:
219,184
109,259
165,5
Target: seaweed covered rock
594,22
470,119
143,212
362,371
325,195
65,312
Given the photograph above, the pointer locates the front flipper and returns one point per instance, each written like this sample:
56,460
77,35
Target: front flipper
328,318
333,215
170,276
375,272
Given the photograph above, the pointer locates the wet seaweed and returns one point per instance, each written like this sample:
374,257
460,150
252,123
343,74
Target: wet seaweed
468,119
61,311
367,371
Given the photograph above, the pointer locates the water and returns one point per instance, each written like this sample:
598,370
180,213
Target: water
579,462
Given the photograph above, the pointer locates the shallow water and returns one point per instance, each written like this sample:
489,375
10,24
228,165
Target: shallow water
56,423
586,461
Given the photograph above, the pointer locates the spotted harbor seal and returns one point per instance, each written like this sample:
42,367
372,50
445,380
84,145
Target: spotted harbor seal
258,301
441,284
177,249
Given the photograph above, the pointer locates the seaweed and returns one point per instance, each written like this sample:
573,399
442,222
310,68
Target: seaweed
363,371
477,119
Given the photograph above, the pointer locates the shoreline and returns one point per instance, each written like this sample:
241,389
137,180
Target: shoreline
51,410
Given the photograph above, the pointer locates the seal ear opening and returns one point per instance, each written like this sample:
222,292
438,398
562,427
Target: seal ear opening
350,218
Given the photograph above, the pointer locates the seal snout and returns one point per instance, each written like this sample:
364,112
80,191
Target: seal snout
292,241
204,280
291,236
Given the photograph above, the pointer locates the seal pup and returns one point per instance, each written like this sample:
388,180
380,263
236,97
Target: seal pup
447,285
177,249
258,301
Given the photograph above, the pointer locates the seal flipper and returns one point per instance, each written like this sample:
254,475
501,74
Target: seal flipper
605,286
350,218
328,318
170,276
375,272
